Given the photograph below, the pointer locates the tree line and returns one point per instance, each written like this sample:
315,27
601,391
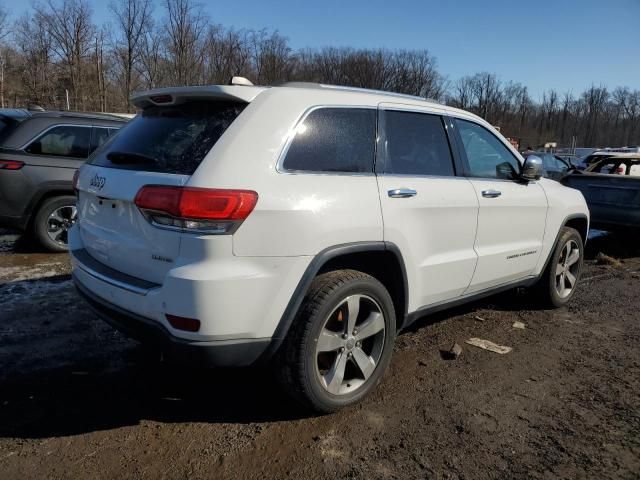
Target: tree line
56,56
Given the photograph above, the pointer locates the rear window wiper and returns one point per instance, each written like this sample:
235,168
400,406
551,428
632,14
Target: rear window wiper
129,158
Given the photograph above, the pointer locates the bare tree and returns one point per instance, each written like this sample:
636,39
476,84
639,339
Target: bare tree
271,56
132,22
151,59
227,53
594,100
185,28
71,29
4,32
100,70
33,41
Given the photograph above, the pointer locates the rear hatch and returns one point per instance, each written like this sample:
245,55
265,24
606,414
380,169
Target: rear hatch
163,145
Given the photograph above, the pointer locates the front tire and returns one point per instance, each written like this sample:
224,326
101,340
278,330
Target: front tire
558,283
341,341
53,221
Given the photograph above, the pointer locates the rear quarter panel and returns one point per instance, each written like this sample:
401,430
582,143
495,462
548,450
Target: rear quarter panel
297,213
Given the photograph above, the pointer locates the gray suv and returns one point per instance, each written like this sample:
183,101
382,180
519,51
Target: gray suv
39,154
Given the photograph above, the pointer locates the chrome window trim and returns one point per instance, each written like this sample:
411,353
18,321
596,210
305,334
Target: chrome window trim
291,135
46,130
435,177
405,107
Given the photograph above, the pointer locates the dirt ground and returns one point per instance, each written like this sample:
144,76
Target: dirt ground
78,400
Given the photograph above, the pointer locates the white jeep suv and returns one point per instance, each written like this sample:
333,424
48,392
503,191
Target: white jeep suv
308,224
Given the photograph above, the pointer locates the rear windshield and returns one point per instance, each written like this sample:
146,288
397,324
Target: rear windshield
171,139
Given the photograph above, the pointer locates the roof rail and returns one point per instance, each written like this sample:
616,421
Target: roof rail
354,89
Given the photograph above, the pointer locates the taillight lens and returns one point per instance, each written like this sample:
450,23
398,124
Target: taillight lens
203,210
11,165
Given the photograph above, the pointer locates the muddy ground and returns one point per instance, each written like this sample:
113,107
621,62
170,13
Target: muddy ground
78,400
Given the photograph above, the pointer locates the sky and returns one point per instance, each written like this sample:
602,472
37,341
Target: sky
560,44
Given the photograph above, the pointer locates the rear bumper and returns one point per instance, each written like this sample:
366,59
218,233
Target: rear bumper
221,353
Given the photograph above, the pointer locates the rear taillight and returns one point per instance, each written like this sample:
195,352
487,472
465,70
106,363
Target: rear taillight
201,210
11,165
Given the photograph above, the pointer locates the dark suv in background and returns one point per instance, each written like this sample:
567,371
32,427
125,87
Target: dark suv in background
39,154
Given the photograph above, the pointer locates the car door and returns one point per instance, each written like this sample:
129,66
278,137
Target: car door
512,213
428,211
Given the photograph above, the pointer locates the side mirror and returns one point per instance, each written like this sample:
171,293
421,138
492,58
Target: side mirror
532,168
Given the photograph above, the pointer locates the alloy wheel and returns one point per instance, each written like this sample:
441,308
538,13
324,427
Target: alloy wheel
60,221
350,344
567,269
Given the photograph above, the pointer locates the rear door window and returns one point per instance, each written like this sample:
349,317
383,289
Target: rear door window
99,135
416,144
334,140
62,141
169,139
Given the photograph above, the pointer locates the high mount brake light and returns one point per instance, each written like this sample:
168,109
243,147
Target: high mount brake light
201,210
11,165
161,98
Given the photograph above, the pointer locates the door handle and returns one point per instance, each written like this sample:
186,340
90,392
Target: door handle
491,193
402,193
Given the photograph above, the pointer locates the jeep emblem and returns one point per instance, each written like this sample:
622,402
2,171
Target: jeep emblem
97,181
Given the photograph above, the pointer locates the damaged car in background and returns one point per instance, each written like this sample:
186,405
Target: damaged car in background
611,187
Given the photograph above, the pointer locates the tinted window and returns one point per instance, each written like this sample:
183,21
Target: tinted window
416,144
334,140
7,125
99,136
171,139
63,141
488,157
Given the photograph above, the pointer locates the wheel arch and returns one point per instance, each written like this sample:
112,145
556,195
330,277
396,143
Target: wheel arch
381,260
44,195
579,222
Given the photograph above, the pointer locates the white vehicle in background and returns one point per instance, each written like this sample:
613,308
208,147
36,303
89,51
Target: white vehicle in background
306,225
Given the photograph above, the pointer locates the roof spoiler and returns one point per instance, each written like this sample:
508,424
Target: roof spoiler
178,95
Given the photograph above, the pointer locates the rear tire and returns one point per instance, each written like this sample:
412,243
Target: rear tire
559,281
340,343
53,220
